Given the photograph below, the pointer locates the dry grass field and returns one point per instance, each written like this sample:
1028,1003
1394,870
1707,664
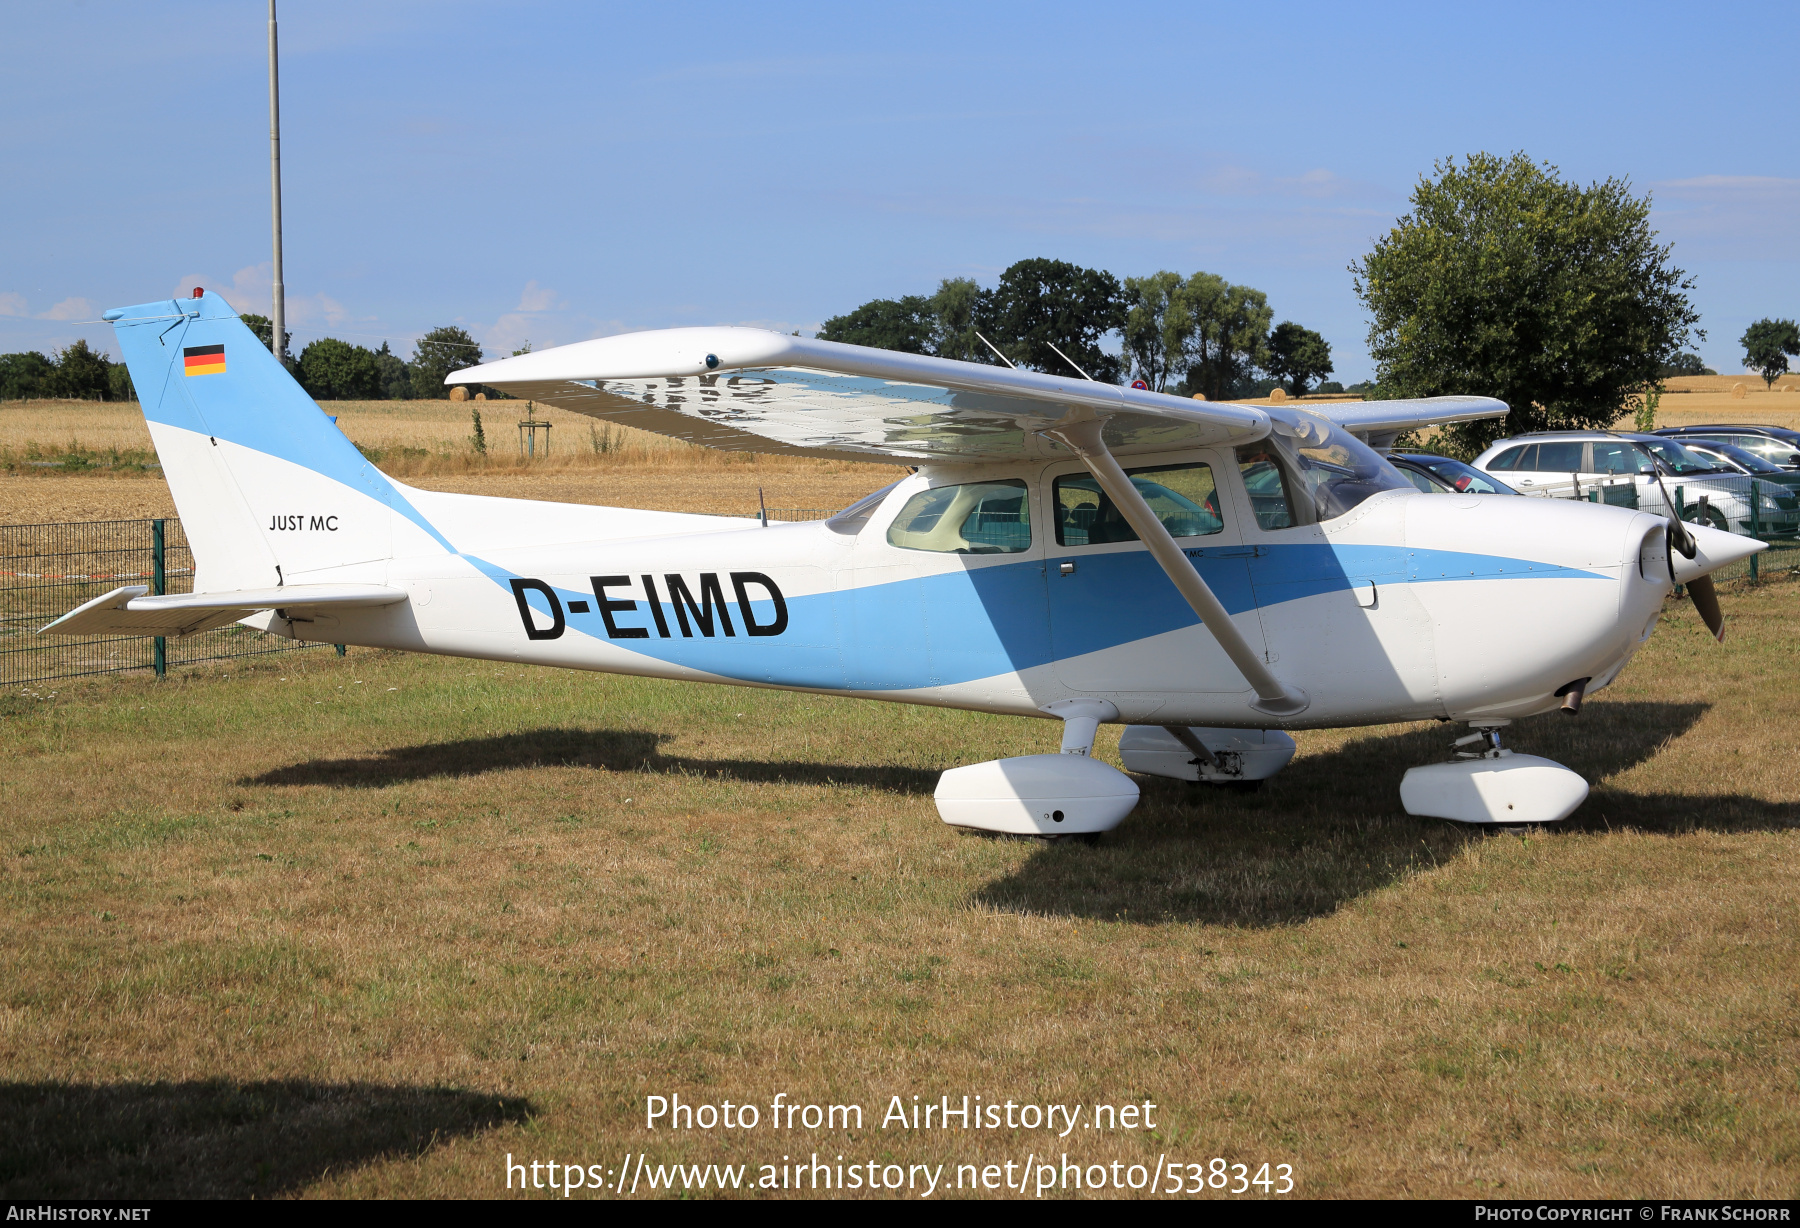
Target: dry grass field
424,443
465,911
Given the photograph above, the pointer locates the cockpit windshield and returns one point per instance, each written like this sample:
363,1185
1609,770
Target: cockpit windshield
1335,470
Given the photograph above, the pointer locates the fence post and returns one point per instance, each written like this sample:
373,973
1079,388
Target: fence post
340,649
158,556
1755,526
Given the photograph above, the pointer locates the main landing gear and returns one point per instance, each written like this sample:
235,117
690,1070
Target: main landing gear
1489,784
1052,796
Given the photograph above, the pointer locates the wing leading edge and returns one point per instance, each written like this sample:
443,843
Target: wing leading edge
747,389
750,390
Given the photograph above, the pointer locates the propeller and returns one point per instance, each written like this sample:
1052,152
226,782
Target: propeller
1700,588
1706,601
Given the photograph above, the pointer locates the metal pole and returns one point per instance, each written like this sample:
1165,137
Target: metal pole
278,312
157,586
1755,527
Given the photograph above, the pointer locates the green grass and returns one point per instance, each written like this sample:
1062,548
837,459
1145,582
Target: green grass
311,926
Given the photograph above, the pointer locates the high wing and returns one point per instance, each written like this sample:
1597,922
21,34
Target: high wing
747,389
130,611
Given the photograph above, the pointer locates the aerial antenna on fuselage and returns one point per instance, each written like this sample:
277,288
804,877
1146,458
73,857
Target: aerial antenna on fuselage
990,345
1084,375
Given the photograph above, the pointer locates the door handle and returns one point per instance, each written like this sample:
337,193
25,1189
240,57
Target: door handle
1067,569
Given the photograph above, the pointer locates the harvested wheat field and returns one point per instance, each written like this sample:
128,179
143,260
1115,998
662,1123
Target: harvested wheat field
329,927
90,460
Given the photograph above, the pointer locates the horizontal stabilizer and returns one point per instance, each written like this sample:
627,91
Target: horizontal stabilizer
131,611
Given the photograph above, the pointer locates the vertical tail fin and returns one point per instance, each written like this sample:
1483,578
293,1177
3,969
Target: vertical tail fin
268,488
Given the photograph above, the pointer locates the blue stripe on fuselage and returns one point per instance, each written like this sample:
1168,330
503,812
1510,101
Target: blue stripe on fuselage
956,627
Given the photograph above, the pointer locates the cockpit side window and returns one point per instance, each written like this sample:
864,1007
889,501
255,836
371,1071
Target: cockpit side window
1269,485
969,518
1183,497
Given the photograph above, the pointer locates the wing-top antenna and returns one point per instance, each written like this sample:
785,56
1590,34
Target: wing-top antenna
990,345
1084,375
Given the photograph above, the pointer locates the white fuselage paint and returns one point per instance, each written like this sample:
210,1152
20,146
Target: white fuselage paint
1410,606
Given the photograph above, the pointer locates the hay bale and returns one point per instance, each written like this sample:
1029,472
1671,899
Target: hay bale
1278,394
1739,391
459,393
481,396
1199,396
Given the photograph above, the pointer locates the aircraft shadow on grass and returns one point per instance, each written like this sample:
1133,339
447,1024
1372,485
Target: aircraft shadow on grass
613,749
1330,828
221,1139
1325,831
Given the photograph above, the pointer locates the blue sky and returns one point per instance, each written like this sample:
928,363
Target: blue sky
558,171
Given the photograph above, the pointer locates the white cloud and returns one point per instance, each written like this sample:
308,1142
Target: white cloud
71,309
538,298
12,304
527,322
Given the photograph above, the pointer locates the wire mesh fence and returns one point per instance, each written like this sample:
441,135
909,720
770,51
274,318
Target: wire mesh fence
46,570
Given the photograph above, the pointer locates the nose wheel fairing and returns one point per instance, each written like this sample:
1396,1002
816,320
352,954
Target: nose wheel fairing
1489,784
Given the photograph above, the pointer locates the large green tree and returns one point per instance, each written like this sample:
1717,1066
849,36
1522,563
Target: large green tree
395,375
333,370
1506,281
1768,344
1228,338
436,355
24,375
1158,326
1298,355
80,372
958,307
905,324
1040,304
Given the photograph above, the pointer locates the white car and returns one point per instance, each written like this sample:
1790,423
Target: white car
1624,469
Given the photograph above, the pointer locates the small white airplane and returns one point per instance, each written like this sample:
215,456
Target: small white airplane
1208,575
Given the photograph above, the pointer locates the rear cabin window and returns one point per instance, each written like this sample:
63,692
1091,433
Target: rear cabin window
971,518
1183,497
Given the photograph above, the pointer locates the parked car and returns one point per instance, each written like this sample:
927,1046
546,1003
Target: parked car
1624,469
1775,444
1441,475
1737,460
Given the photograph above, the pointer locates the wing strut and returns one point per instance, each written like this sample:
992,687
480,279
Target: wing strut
1272,696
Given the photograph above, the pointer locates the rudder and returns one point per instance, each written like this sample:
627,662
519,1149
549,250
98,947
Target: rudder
269,490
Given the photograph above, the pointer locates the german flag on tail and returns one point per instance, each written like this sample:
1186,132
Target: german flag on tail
204,359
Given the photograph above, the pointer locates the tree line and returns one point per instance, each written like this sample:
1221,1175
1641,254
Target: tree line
1186,335
329,369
